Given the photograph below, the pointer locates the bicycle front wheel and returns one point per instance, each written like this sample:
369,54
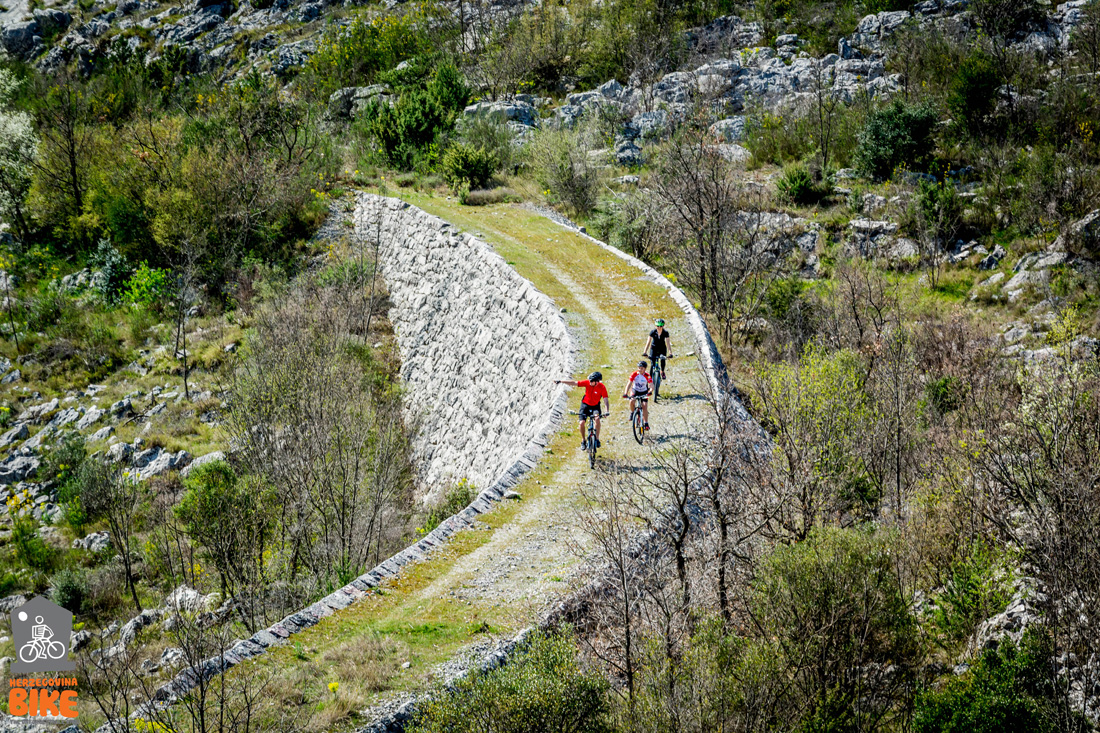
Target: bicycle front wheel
655,374
55,650
638,425
28,653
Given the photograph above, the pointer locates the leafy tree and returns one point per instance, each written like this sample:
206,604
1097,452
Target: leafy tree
17,156
233,520
897,136
973,96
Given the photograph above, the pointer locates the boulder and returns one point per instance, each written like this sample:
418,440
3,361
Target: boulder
10,603
95,542
122,408
733,153
22,40
120,452
651,124
516,111
90,418
13,376
993,259
1083,236
35,413
19,432
101,434
156,461
14,469
729,130
188,600
52,20
351,101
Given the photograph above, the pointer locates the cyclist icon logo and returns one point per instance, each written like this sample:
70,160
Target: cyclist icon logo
41,631
41,645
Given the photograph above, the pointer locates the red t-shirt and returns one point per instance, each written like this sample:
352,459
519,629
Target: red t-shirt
593,392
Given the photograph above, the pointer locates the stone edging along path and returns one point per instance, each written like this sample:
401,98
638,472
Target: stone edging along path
441,247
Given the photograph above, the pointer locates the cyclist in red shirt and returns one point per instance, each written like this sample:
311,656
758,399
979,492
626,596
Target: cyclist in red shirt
594,391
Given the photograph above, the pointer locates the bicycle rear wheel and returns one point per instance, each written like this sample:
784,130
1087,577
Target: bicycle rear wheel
637,424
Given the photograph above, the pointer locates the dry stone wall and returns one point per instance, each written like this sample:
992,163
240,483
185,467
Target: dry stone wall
480,346
500,402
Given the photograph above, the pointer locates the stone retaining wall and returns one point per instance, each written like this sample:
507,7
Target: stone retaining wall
521,344
480,346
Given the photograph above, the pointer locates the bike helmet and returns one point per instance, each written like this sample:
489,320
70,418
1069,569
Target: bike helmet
660,321
642,365
595,377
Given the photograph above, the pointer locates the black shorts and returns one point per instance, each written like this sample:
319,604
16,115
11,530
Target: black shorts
587,410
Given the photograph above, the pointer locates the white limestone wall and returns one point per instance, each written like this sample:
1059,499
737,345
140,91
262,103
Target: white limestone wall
480,346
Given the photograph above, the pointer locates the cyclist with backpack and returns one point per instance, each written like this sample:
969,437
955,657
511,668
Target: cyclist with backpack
594,391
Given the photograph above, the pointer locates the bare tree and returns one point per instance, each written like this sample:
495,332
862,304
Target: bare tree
119,499
1035,433
724,248
608,608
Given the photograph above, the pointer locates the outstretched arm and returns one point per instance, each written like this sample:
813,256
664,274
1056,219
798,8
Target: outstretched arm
568,382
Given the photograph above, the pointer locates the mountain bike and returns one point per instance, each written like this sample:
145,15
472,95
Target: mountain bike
590,443
655,372
637,422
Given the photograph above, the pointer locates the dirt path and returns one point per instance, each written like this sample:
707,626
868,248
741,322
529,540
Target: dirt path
496,578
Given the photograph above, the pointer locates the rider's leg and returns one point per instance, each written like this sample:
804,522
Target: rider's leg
584,436
645,411
597,429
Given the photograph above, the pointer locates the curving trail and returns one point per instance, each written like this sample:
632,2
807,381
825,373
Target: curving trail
496,578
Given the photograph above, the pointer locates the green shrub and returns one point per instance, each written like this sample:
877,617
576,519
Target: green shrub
980,586
796,184
1008,690
563,164
946,394
973,96
110,262
457,498
148,287
464,163
491,134
542,688
410,132
373,42
30,549
895,137
64,460
71,493
69,589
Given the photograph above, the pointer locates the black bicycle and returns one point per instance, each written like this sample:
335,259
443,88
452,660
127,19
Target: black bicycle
655,372
637,421
590,443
